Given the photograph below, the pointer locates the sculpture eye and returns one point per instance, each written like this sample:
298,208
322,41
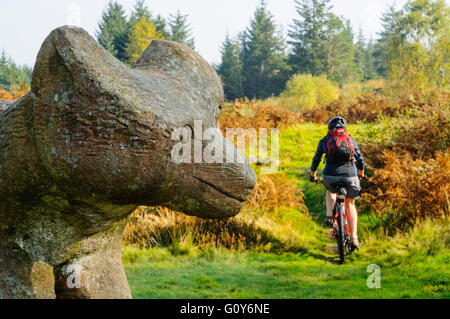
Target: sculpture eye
220,107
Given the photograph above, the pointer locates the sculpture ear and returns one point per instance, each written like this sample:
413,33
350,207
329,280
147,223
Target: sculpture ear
71,59
183,64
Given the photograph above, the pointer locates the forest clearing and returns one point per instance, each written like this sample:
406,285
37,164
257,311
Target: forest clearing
98,203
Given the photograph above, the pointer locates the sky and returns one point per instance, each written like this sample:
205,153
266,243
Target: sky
24,24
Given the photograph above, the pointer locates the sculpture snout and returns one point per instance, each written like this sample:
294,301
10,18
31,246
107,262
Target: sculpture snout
232,180
217,189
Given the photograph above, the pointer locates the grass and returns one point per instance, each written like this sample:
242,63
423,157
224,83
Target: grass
219,273
298,145
413,264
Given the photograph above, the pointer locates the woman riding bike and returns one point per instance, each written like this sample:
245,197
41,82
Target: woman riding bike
344,163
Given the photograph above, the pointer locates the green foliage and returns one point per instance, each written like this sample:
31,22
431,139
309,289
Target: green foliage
139,12
180,30
416,44
341,51
365,58
264,63
161,26
231,69
322,42
255,64
127,38
306,91
309,37
113,31
12,76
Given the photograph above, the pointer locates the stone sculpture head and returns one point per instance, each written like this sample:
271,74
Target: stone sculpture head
90,143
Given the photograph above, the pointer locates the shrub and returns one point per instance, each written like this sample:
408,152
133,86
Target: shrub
367,108
410,190
375,103
411,169
5,95
256,114
305,91
350,92
14,95
419,136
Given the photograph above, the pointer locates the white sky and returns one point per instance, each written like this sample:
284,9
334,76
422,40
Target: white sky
24,24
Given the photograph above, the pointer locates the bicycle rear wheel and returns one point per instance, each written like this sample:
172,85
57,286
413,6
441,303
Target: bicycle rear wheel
340,234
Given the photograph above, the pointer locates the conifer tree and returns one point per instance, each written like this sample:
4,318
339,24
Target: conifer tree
231,68
180,30
361,55
13,76
340,48
264,60
161,26
308,37
113,30
364,58
140,10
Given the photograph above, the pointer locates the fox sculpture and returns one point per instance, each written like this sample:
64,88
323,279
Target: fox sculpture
90,143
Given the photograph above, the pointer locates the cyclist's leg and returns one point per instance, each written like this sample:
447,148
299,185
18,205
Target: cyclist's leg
330,201
352,215
330,197
353,192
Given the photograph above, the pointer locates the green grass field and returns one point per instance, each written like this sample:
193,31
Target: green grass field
413,264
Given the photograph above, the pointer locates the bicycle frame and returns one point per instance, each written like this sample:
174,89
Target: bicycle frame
341,230
340,208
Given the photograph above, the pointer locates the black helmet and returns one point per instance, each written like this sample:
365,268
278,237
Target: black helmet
337,122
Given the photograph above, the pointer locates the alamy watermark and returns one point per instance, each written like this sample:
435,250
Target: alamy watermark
374,279
196,145
73,274
73,12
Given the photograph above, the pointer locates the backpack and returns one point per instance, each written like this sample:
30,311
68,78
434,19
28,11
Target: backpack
340,147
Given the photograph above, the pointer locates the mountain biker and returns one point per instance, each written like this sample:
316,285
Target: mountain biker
344,164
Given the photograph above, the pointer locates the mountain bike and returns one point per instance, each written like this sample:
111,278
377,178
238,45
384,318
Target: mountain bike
341,231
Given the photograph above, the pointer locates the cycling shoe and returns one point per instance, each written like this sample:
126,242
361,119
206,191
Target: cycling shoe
328,221
354,245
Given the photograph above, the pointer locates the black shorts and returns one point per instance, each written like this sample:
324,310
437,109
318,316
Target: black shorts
352,185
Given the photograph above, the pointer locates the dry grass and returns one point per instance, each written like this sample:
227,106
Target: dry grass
153,227
157,226
273,191
15,95
257,114
408,190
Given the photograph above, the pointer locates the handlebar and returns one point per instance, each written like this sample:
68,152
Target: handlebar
320,180
317,181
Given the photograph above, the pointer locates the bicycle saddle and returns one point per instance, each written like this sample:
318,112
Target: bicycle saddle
342,191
